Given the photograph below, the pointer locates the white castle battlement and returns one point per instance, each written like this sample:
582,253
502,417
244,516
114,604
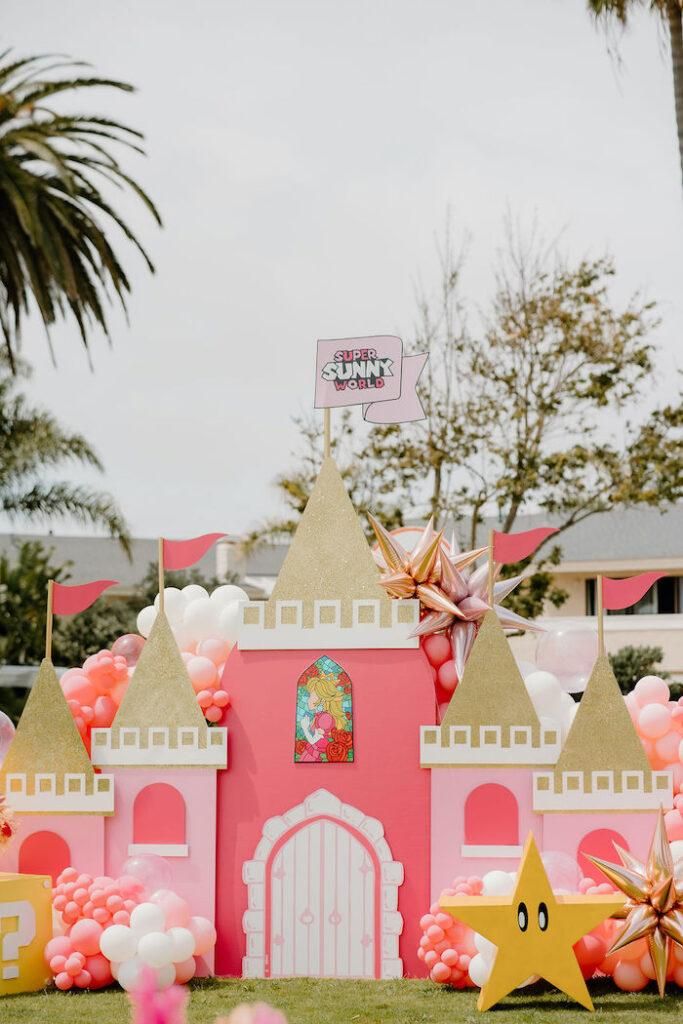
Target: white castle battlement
364,630
44,796
161,746
456,746
572,791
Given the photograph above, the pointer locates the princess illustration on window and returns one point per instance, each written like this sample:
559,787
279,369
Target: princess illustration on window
324,714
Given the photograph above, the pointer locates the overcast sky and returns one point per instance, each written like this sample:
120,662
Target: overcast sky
304,154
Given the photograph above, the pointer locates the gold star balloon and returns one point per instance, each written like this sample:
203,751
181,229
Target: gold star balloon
534,930
453,598
655,899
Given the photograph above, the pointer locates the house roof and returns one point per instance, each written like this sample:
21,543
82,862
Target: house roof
47,739
491,691
329,557
160,693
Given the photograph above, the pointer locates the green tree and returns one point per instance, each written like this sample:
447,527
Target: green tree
23,596
32,447
630,664
521,403
57,174
619,12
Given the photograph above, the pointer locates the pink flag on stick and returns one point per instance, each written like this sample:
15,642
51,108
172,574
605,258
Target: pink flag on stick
180,554
72,600
513,547
617,594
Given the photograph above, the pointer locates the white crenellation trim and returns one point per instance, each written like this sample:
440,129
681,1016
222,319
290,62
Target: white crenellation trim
491,851
321,802
256,636
573,795
137,747
459,748
43,796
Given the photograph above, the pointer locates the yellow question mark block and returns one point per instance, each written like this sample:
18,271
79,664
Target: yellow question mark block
25,928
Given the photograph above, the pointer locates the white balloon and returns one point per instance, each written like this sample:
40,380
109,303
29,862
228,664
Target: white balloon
497,883
201,618
145,620
230,622
156,949
114,968
118,943
228,593
479,970
677,850
545,692
147,917
129,973
165,976
485,947
193,591
174,603
525,667
182,941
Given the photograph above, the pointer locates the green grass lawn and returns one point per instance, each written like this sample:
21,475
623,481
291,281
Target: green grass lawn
350,1002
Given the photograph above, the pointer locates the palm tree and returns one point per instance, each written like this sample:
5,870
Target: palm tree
56,173
671,12
32,447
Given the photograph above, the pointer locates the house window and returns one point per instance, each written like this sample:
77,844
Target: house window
159,822
324,714
44,853
599,843
665,597
491,817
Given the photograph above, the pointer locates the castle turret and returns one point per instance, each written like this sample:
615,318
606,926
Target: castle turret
47,769
603,766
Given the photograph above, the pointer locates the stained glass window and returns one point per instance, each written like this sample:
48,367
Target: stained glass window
324,714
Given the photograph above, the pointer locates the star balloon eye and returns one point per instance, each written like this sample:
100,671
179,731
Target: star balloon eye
522,917
542,916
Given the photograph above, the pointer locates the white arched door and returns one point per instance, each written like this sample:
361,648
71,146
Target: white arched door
328,889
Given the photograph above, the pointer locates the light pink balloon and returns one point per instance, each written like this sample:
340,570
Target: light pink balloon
213,714
79,688
204,935
654,721
214,649
85,937
202,672
59,946
104,712
176,909
185,971
64,981
221,698
129,647
651,690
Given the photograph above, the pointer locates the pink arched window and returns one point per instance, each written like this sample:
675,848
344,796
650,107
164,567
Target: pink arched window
599,843
44,853
159,816
491,817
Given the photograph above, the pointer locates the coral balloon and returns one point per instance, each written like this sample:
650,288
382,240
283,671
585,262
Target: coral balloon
629,977
85,937
204,935
176,910
129,646
437,647
185,971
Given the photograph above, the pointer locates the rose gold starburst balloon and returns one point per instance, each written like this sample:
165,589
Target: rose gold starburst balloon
654,909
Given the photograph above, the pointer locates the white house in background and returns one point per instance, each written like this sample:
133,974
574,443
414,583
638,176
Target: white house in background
619,543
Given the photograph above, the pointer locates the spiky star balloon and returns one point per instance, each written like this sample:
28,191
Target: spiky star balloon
453,596
655,899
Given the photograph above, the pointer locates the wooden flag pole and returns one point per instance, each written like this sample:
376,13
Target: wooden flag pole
161,573
600,614
491,569
48,620
327,433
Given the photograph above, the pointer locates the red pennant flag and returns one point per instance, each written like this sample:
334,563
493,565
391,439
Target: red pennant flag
72,600
179,554
617,594
513,547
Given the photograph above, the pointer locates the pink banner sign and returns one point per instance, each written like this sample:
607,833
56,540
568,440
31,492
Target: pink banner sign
369,371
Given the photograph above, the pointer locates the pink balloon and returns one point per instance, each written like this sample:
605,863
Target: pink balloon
651,690
666,747
568,653
83,979
213,714
204,935
214,649
185,971
448,676
629,977
85,937
79,688
104,710
153,871
74,964
202,672
654,721
99,969
64,981
205,698
440,973
59,946
176,909
57,964
221,698
128,646
437,648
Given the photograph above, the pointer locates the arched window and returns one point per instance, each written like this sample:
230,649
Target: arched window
491,817
324,714
159,821
599,843
44,853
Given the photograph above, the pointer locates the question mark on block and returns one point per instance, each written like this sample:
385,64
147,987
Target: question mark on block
11,941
